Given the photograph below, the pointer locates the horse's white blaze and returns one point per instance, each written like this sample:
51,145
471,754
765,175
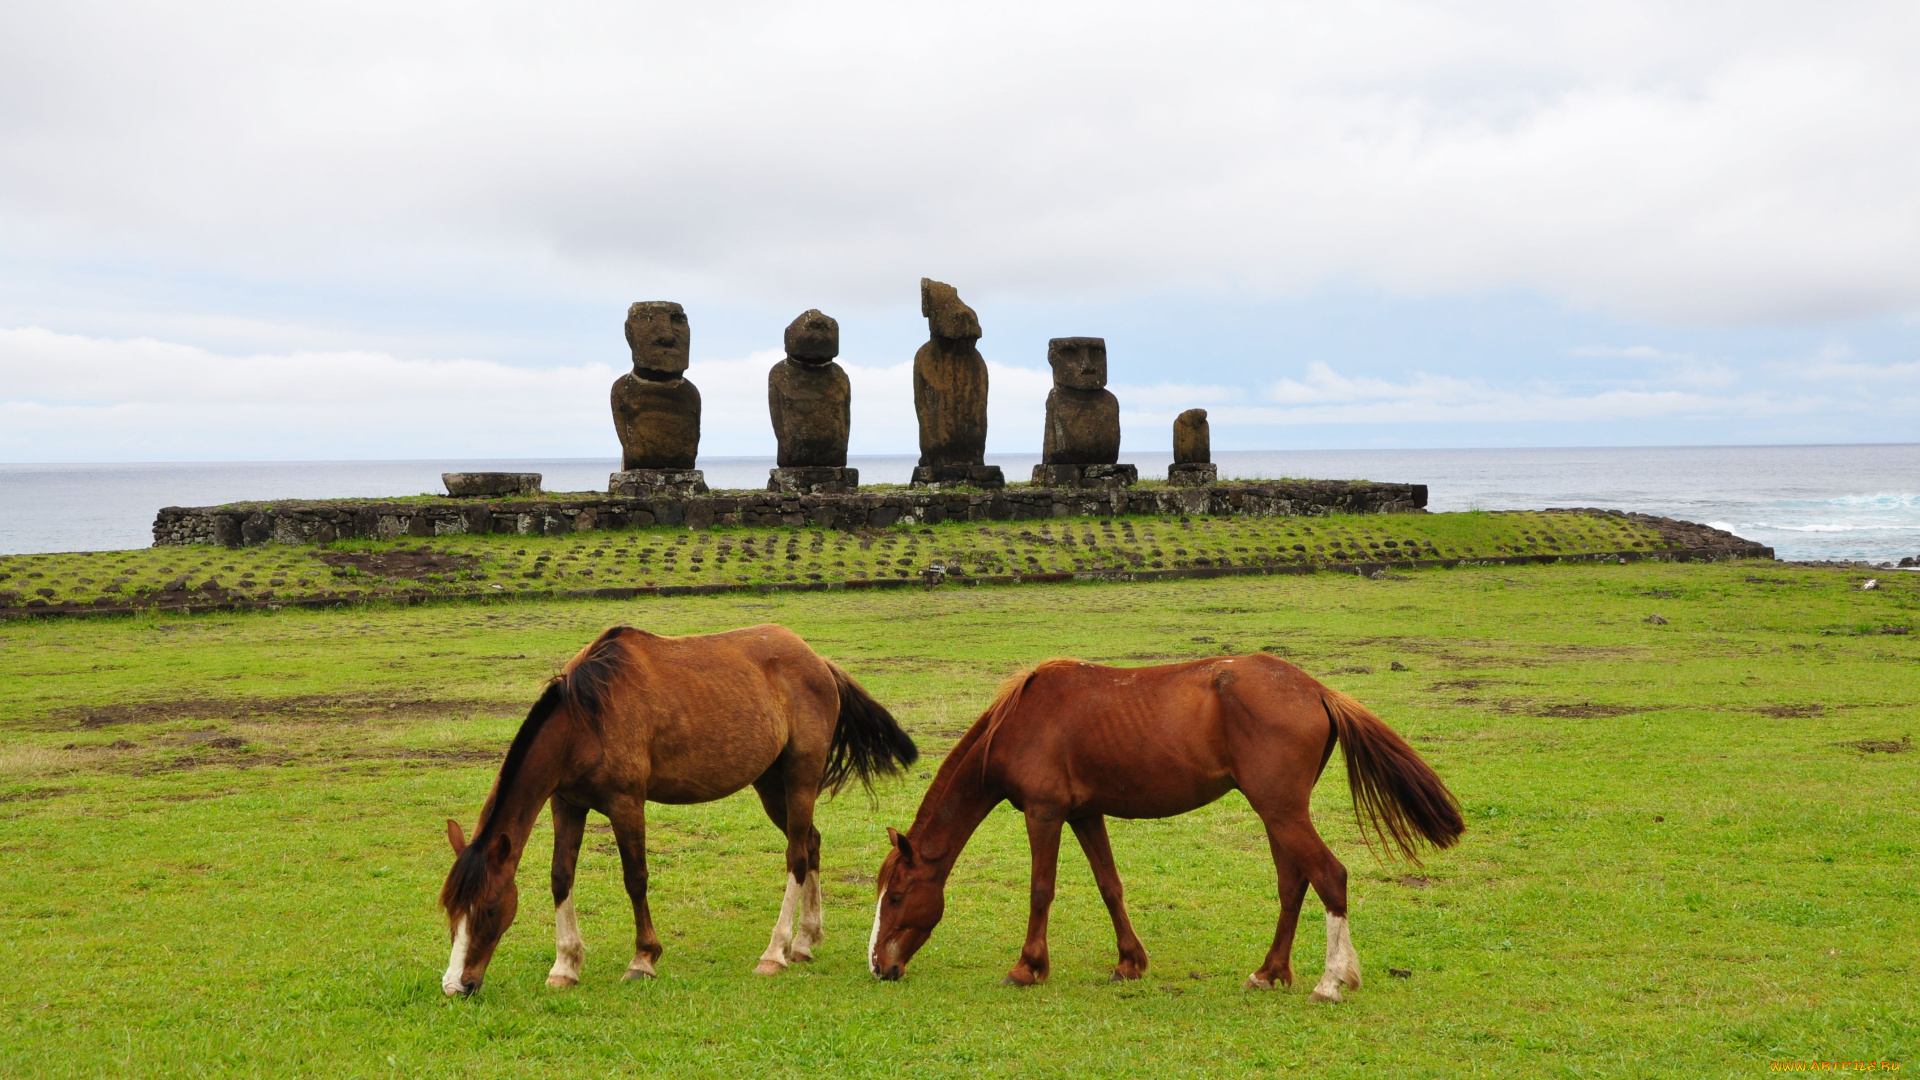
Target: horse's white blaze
775,958
569,952
873,939
457,963
1343,963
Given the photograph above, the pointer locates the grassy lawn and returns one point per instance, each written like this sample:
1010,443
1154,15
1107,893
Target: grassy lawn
469,565
221,836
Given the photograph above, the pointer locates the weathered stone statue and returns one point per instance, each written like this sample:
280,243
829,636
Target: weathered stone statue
808,398
1082,441
1192,451
950,394
656,411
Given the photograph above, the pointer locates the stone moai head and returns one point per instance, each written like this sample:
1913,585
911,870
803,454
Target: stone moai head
947,316
657,333
813,338
1079,363
1192,443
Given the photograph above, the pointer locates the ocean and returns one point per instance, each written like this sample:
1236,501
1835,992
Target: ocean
1806,502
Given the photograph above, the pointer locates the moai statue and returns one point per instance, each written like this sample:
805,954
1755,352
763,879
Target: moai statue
1192,451
950,394
808,397
656,411
1082,441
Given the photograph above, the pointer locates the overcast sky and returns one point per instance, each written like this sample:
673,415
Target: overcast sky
316,231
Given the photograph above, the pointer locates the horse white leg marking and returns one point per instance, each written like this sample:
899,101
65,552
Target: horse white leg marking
812,930
569,952
451,983
873,939
1343,963
774,960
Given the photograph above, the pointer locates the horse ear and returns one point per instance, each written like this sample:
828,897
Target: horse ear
899,841
500,849
455,838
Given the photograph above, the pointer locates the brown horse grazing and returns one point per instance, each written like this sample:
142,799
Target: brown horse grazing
1071,742
637,717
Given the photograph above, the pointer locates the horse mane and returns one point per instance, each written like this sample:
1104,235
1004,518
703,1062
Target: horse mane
582,689
1006,698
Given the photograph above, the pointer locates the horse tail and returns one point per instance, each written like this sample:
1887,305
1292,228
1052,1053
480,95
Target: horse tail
1396,795
867,739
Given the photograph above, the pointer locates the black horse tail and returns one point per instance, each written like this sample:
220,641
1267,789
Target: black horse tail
866,741
1396,794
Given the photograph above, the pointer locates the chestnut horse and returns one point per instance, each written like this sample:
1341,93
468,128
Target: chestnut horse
637,717
1070,743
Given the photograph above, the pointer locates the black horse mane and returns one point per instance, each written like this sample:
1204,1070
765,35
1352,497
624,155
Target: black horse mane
583,690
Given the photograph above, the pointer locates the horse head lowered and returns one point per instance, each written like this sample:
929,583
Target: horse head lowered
913,896
637,718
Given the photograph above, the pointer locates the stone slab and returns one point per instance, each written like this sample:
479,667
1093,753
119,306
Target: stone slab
469,484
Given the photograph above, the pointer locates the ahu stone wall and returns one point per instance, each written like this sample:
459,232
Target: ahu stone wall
301,522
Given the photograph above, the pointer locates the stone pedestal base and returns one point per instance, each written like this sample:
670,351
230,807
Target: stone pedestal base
940,476
642,483
1193,474
491,483
814,480
1085,476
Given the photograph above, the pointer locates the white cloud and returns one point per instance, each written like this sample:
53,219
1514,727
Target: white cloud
73,398
65,397
1738,161
1325,396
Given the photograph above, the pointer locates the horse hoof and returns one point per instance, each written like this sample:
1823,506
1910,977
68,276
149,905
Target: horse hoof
561,982
1255,982
637,972
1326,995
769,967
799,957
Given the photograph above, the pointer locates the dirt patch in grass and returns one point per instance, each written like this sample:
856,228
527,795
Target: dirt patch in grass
1791,712
412,563
1589,711
1880,746
346,759
329,706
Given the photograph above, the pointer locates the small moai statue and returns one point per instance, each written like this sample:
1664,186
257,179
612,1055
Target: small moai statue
656,411
1082,442
950,394
808,398
1192,451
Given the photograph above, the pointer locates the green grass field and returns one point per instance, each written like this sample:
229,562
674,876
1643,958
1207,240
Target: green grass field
483,565
221,840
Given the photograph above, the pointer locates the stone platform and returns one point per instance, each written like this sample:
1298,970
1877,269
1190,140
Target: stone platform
1085,476
814,480
935,477
301,522
1193,473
